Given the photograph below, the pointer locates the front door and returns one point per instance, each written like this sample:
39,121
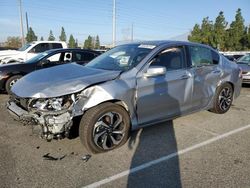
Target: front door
165,96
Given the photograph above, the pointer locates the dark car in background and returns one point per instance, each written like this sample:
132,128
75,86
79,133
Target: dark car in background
10,73
233,57
244,64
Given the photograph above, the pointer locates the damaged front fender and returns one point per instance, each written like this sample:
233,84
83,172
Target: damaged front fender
89,98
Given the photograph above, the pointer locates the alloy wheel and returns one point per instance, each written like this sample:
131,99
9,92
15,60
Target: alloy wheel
109,130
225,98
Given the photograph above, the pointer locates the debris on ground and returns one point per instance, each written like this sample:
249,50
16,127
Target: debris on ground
49,157
85,158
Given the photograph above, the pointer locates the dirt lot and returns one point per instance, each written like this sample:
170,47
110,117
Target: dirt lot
199,150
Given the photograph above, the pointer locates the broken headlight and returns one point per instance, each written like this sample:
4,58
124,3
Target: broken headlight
52,104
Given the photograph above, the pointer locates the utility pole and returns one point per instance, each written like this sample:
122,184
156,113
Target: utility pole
114,22
21,21
132,32
27,22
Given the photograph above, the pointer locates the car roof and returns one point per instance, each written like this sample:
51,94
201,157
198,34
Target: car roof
47,41
168,42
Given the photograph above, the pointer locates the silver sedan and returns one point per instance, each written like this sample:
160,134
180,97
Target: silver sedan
126,88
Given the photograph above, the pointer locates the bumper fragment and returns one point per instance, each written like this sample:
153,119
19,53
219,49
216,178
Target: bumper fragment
17,112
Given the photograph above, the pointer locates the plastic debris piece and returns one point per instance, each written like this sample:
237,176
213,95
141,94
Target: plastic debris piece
85,158
51,158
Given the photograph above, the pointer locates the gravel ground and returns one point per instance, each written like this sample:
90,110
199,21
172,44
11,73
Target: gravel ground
223,163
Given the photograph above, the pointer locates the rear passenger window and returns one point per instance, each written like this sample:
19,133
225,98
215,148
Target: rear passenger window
84,56
56,45
40,48
89,56
172,58
200,56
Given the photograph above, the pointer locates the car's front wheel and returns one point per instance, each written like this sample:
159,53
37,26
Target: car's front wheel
104,127
11,81
223,99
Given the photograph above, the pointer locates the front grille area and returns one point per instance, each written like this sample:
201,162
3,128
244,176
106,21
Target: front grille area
21,102
244,72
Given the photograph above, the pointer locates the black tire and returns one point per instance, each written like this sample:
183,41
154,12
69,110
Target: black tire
223,99
9,83
94,133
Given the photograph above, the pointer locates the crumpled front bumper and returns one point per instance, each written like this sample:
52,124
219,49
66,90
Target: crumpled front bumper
52,125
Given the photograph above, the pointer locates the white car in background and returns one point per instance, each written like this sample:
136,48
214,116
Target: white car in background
29,50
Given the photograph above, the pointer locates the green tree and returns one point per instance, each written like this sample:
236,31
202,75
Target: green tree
42,39
236,33
244,40
51,36
88,43
248,37
97,42
207,32
63,37
30,37
195,35
72,42
220,31
13,42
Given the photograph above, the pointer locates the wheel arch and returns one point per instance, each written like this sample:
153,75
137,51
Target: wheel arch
114,101
12,75
222,83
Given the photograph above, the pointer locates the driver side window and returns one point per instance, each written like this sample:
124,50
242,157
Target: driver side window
40,48
172,58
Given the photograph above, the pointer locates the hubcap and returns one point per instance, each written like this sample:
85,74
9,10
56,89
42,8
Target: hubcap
109,130
225,98
13,82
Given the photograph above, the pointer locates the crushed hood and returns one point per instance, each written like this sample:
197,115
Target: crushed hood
60,80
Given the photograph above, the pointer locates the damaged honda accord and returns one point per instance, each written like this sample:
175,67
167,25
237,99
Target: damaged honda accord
129,87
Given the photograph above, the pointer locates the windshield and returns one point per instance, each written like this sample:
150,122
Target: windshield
121,58
244,59
24,47
37,58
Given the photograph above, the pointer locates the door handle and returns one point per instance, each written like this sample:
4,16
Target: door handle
216,72
183,77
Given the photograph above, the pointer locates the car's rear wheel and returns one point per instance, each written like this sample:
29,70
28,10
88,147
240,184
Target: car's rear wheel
104,128
223,99
10,82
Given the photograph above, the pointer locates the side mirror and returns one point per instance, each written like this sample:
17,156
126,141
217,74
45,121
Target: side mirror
155,71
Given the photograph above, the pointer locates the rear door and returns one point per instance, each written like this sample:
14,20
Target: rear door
206,74
165,96
55,45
